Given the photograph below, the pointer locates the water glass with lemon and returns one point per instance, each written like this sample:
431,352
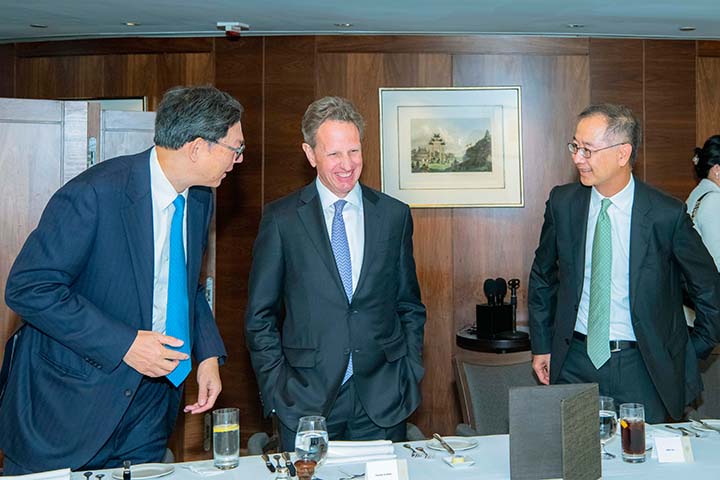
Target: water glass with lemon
226,438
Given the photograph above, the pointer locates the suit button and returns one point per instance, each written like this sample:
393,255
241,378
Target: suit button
357,350
355,312
128,392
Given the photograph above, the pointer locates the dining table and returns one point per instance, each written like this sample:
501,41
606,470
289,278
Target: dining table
486,457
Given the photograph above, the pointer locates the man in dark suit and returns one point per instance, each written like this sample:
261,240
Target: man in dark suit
111,300
605,296
334,322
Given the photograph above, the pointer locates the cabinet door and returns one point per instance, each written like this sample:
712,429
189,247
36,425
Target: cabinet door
44,144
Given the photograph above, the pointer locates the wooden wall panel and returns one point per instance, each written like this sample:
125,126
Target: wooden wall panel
708,98
239,71
500,242
670,115
7,70
289,89
470,44
616,76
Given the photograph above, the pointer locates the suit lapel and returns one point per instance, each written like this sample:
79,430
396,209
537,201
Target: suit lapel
196,219
640,227
311,216
372,218
137,221
579,209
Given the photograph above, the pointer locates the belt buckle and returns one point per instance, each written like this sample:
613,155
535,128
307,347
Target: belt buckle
614,346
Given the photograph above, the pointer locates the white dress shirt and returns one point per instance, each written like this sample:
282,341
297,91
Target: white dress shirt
354,223
620,213
163,195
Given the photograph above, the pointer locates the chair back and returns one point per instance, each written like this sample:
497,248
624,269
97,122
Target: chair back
483,381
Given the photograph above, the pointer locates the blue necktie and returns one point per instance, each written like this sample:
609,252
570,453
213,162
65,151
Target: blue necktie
341,250
177,323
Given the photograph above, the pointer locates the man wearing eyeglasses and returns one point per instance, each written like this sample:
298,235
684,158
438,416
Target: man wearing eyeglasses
605,296
108,289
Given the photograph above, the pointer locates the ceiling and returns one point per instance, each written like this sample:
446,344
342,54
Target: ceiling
65,19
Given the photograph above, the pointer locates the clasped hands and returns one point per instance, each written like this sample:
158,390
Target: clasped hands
150,356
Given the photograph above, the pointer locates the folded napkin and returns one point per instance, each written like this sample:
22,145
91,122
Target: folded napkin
358,459
204,469
62,474
356,449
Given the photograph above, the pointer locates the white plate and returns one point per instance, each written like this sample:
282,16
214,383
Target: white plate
457,443
469,462
145,471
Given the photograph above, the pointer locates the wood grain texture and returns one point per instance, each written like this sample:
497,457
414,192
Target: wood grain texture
708,48
617,76
7,70
499,242
670,115
496,44
289,89
239,71
114,46
708,98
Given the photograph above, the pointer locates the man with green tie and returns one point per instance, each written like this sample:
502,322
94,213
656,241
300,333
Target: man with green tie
605,295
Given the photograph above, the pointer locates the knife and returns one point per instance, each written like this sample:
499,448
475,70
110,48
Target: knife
268,463
288,464
444,444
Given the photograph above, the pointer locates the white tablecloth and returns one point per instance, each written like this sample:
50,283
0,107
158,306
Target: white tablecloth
491,462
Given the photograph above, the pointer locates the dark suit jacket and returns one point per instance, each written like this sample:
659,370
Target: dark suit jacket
295,288
663,247
83,284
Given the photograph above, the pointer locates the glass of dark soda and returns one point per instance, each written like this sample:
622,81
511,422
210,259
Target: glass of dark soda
632,428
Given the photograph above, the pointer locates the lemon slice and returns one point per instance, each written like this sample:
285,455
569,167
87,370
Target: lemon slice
226,428
623,424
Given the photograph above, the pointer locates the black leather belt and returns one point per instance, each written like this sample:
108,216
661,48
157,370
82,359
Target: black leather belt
615,345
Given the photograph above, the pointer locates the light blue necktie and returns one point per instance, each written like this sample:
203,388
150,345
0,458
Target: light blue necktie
341,251
177,323
598,337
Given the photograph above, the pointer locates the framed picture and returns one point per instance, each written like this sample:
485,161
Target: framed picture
452,147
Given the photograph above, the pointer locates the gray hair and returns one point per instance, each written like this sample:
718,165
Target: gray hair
622,124
186,113
329,108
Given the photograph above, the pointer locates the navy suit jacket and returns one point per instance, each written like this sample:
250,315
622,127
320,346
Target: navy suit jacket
664,246
301,329
83,285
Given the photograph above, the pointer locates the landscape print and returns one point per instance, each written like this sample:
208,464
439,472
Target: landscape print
442,145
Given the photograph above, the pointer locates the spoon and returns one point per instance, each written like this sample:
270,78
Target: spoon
409,447
277,460
421,449
87,475
99,476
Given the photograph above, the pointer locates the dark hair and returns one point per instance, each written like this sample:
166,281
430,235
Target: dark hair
707,157
329,108
622,124
186,113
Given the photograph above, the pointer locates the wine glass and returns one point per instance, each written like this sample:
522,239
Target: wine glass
311,440
608,424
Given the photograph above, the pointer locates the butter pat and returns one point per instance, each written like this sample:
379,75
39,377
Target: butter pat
457,459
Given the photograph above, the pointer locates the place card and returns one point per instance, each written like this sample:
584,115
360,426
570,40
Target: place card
674,450
387,470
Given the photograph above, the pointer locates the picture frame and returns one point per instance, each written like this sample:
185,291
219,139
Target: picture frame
452,147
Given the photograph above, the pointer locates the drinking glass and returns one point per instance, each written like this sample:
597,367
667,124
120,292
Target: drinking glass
632,425
226,438
608,424
311,440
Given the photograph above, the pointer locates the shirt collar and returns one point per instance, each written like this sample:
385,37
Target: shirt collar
622,200
162,190
327,198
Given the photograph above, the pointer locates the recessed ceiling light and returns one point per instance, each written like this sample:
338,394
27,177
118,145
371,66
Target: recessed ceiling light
344,25
131,24
575,25
687,29
38,25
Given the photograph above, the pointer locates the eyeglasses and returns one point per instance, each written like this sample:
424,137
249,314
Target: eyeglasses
586,152
238,151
